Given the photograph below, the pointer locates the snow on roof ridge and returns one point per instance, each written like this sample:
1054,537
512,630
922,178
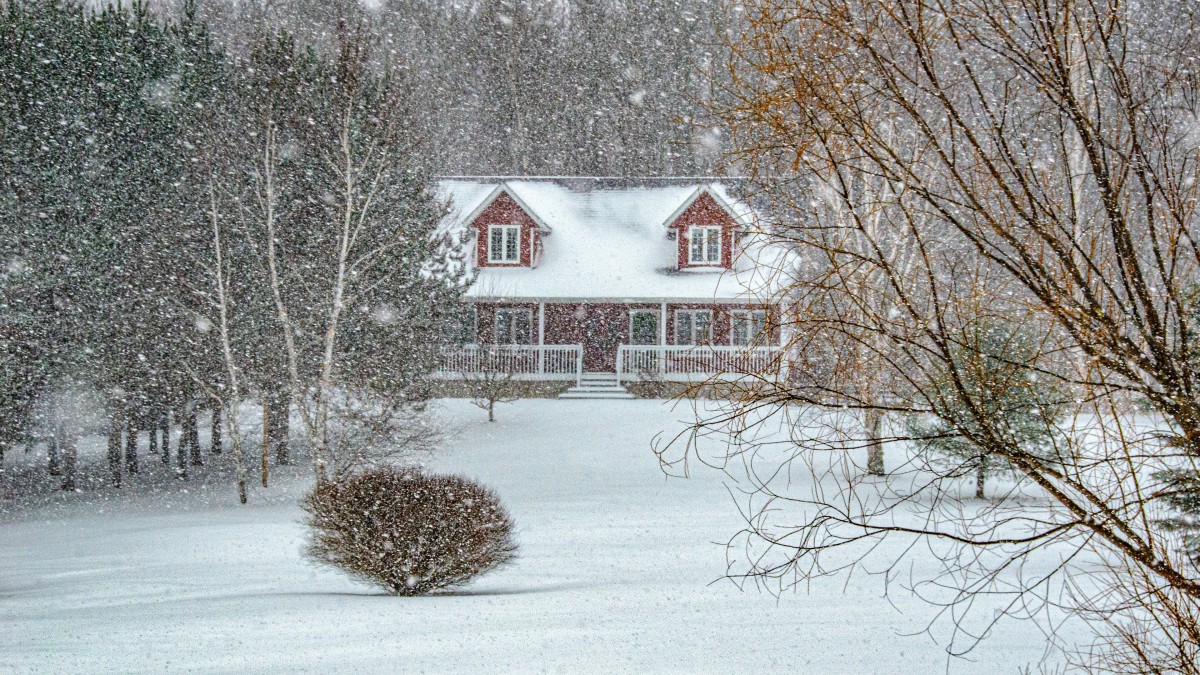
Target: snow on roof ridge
590,183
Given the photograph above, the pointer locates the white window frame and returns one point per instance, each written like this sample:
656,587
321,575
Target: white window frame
511,338
754,338
500,257
694,336
702,235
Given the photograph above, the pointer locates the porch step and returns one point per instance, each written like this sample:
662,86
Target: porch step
583,392
598,377
597,385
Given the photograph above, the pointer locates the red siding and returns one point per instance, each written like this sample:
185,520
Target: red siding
504,210
603,326
705,211
599,327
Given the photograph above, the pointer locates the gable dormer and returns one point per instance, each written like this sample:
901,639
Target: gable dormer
507,232
705,230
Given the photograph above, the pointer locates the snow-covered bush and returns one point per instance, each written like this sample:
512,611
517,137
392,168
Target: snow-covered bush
408,531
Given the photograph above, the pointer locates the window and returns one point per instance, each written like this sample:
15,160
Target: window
504,244
693,326
705,243
460,326
748,328
514,326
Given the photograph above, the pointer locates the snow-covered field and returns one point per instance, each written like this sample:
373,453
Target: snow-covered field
619,571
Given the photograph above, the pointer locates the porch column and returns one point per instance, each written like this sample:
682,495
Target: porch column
661,361
786,334
541,338
662,327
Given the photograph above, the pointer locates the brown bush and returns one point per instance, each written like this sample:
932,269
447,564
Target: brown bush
408,531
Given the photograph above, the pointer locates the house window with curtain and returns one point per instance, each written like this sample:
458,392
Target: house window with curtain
693,326
514,326
748,328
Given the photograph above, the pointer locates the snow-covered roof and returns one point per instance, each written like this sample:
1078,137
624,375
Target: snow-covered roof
606,243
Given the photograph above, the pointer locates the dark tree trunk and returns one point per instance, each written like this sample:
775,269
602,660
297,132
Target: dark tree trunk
54,468
874,425
980,475
114,444
164,426
152,429
70,459
181,448
193,434
277,424
491,410
131,439
216,431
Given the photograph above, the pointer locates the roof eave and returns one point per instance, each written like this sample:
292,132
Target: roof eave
505,188
705,189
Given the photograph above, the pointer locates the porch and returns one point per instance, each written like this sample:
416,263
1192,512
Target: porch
678,339
633,363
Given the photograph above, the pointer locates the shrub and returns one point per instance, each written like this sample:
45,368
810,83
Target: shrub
408,531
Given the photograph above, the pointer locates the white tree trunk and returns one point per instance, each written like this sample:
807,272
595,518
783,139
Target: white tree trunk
231,371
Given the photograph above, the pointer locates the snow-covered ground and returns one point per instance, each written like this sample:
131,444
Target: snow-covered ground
619,571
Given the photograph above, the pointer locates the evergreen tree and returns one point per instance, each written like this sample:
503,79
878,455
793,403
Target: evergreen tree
1180,488
990,379
95,106
506,87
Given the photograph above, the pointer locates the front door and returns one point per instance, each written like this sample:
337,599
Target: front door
643,330
602,333
643,327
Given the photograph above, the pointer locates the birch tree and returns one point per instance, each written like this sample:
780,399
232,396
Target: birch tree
345,220
221,271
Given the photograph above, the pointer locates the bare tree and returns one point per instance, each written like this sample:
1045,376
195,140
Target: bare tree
362,144
1023,161
493,381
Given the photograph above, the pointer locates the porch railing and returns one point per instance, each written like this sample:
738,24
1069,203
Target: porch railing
685,363
526,362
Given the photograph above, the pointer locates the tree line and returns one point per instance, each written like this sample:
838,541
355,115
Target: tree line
526,87
184,228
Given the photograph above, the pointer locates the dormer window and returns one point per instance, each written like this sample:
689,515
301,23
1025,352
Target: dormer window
705,245
504,244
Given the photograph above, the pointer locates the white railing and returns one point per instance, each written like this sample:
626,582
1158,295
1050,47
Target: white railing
524,362
686,363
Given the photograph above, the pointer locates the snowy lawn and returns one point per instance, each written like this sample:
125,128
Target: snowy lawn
616,574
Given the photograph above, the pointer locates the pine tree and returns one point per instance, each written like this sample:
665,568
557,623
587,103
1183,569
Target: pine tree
92,103
1180,488
991,374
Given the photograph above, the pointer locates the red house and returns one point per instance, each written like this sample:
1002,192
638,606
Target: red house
603,281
